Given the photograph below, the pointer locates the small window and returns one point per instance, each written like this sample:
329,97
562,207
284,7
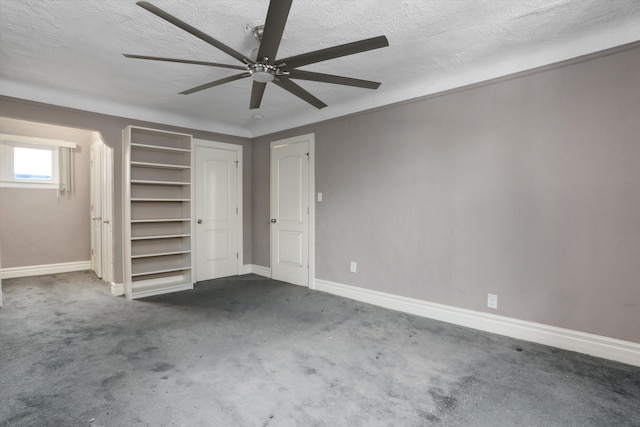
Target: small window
33,164
28,165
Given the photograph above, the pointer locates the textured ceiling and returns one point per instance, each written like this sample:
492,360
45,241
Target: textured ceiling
69,52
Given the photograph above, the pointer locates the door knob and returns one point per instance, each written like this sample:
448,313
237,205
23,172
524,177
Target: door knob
199,221
273,220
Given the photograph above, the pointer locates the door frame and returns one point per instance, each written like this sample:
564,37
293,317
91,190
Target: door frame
239,192
311,138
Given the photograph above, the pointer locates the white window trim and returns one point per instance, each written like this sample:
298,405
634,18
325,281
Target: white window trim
21,139
8,142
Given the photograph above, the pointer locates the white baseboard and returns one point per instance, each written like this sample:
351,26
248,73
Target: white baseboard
117,289
159,291
40,270
567,339
260,270
245,269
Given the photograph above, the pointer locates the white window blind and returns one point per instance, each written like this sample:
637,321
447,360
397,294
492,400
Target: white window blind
66,171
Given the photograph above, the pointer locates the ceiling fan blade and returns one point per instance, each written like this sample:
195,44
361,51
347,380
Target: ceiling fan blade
334,52
185,61
194,31
215,83
292,87
256,94
329,78
273,29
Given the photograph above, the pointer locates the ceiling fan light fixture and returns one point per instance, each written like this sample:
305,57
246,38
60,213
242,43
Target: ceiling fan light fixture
263,73
263,76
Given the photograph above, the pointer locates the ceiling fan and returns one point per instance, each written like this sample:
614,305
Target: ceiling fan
266,68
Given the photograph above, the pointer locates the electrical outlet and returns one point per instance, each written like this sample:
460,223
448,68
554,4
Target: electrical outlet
492,301
354,266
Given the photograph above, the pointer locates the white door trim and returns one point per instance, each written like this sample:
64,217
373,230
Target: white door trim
220,146
311,137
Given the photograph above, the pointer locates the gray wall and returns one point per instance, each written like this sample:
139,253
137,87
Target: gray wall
528,188
35,225
110,128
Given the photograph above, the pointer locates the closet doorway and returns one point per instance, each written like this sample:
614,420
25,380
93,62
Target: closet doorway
69,176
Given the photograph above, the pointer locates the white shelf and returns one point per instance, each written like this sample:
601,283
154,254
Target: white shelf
142,289
159,237
159,148
159,254
158,165
140,199
157,212
140,221
168,270
150,182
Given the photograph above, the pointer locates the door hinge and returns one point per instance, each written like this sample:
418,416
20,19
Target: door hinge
236,163
237,255
236,210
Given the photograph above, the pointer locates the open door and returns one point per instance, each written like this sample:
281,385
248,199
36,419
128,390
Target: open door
95,165
106,251
101,209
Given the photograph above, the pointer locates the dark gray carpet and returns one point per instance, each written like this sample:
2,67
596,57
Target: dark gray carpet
250,351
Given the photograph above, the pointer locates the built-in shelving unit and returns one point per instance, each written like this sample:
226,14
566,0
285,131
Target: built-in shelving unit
158,212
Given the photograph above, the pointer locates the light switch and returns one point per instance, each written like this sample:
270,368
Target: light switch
319,196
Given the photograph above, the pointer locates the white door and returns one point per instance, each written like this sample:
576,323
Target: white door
101,210
217,210
107,213
290,210
95,165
